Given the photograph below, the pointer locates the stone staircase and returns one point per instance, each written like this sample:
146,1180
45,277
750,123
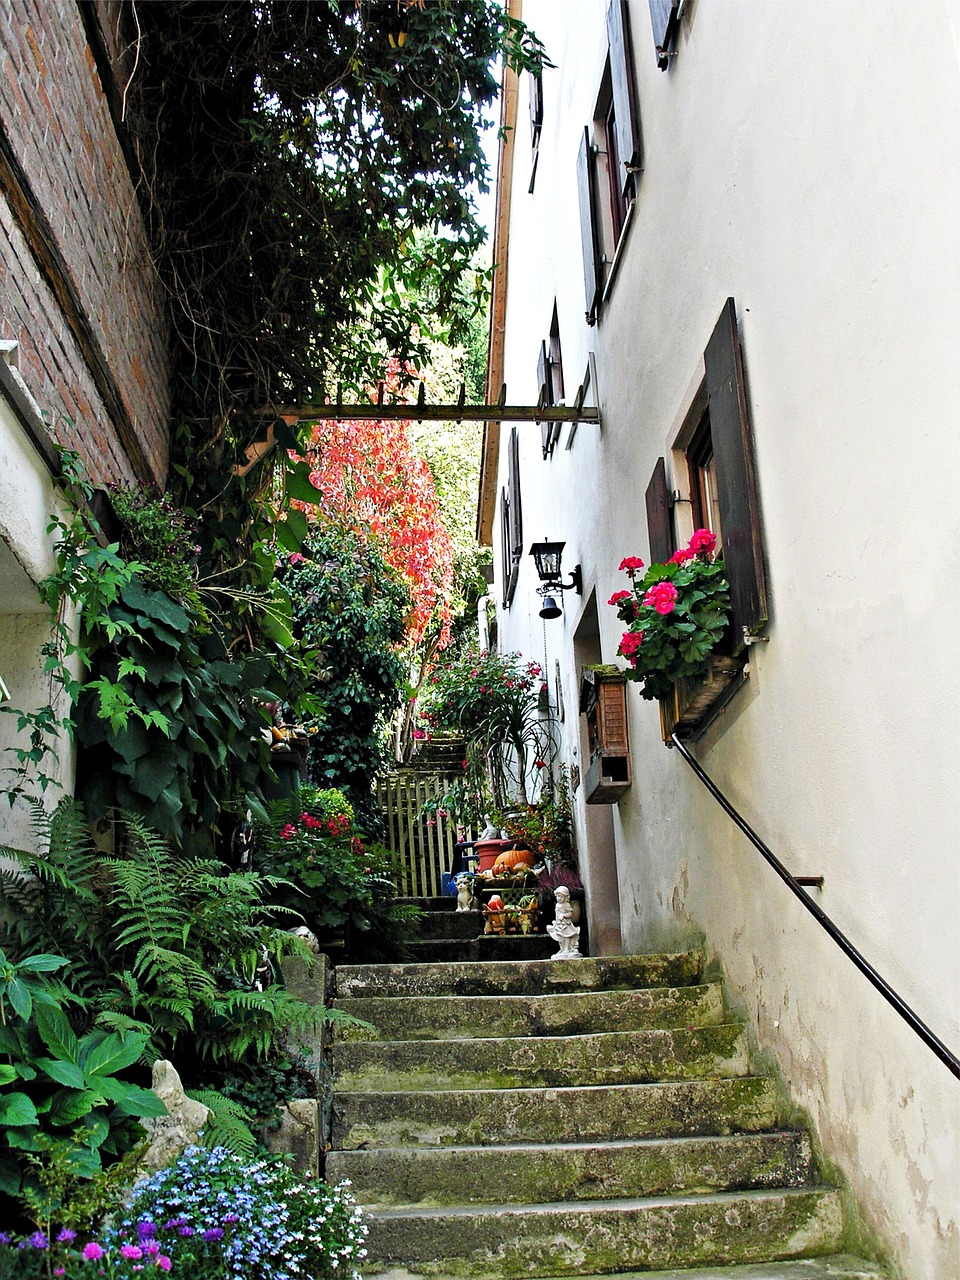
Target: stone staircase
569,1118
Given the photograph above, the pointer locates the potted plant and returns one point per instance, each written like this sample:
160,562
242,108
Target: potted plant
492,700
676,615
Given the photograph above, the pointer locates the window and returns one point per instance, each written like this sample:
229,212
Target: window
550,383
665,19
536,123
511,522
608,161
717,456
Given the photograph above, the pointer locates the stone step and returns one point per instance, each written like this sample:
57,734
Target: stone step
567,1013
449,925
572,1171
747,1104
495,1242
492,948
835,1267
602,973
615,1057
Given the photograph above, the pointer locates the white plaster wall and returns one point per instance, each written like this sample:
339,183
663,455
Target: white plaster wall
802,158
27,499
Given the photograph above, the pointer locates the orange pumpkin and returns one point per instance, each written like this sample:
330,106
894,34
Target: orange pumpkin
512,860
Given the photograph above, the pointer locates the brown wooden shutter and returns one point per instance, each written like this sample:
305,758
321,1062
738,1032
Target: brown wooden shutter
659,523
506,559
536,124
736,481
622,88
665,18
516,520
586,190
544,394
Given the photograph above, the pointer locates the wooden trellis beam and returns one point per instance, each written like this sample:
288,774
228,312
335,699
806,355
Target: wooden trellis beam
421,411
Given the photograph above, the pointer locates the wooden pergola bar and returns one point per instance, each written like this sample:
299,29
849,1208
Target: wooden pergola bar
433,412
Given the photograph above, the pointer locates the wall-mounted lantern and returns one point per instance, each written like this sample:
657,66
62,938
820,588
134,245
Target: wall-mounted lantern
603,700
547,557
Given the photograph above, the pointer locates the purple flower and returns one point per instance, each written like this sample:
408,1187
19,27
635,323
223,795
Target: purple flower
186,1231
92,1251
213,1233
146,1230
66,1236
37,1241
4,1237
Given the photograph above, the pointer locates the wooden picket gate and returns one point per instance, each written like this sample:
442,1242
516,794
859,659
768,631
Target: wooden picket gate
422,850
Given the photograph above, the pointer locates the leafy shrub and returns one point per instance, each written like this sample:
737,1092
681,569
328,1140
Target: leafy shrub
62,1098
324,869
163,540
492,699
158,943
349,605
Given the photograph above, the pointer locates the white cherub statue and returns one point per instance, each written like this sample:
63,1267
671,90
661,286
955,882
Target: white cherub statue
464,885
563,931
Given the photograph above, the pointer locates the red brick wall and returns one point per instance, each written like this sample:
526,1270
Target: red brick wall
57,127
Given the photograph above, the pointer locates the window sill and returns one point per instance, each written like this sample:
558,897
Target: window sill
692,705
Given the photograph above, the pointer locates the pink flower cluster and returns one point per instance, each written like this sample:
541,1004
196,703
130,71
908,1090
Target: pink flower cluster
630,642
631,564
704,541
662,596
618,596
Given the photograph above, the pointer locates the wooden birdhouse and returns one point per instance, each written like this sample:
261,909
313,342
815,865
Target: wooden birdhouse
603,700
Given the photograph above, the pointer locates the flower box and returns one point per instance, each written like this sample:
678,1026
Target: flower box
692,703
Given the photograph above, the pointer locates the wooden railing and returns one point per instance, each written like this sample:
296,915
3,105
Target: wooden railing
422,848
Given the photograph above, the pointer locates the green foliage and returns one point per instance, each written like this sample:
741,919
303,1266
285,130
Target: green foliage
293,152
546,827
196,743
492,699
163,540
350,607
325,870
676,616
229,1123
159,944
62,1097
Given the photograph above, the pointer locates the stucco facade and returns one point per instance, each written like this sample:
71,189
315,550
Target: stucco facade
803,160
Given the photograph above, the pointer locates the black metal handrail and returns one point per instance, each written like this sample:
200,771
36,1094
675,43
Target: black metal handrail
843,942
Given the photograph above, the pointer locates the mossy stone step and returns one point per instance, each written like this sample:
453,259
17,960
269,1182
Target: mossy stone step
566,1013
482,1117
449,926
480,947
602,973
507,1240
572,1171
835,1267
614,1057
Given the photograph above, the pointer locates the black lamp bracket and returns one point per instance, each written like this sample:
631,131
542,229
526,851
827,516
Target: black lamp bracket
554,584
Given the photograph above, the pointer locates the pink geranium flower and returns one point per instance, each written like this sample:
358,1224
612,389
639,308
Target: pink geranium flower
631,564
662,596
703,540
618,596
630,642
681,556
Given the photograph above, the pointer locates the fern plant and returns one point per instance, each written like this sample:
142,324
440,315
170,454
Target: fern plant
158,944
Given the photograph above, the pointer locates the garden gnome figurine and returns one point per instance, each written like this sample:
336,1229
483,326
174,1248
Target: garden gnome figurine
563,931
